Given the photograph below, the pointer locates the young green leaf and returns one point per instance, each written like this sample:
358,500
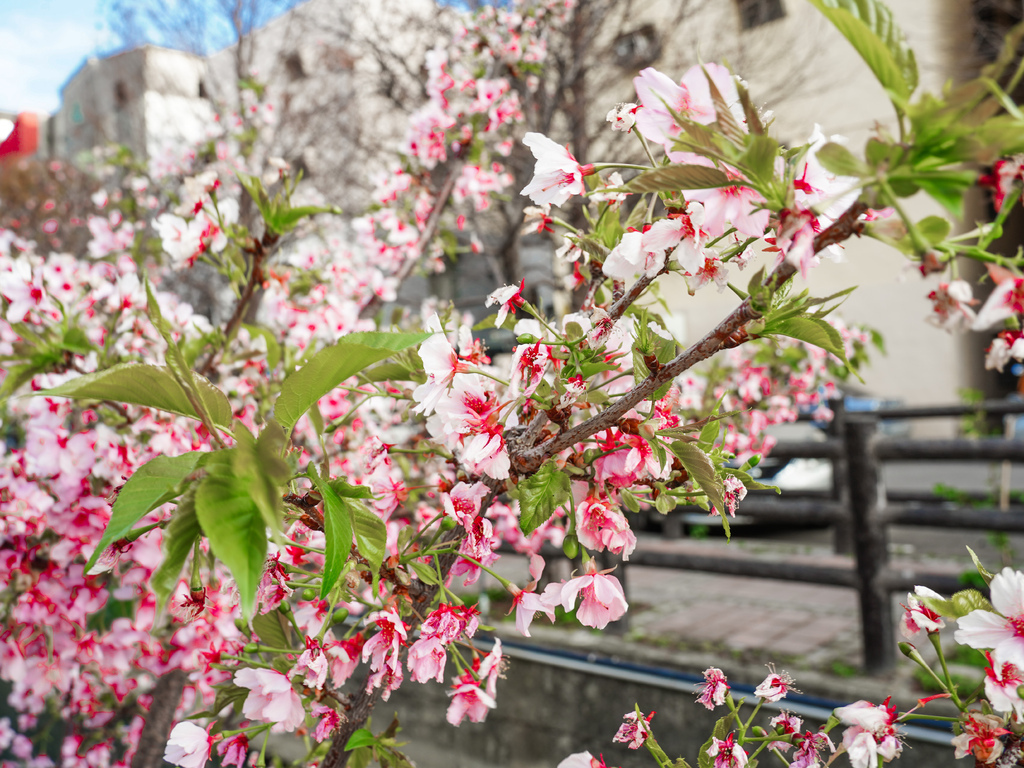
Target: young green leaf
271,629
702,470
672,178
837,159
540,495
146,385
371,536
332,365
339,522
152,484
812,330
869,26
233,523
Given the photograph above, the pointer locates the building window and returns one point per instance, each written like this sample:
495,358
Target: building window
754,13
295,67
120,95
638,48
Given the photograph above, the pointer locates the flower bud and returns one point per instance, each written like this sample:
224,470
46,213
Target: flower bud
309,594
340,615
251,648
571,546
526,338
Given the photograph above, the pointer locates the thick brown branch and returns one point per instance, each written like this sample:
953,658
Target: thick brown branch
720,337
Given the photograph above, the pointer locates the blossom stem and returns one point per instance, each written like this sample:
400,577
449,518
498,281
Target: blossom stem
936,642
630,166
647,148
910,716
750,720
504,582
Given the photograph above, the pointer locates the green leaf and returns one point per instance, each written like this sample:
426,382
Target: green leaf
702,470
332,365
371,537
985,574
759,158
672,178
254,186
942,607
540,495
284,221
233,523
361,738
935,229
271,629
837,159
811,330
338,530
146,385
345,490
179,538
76,341
424,572
870,28
152,484
967,600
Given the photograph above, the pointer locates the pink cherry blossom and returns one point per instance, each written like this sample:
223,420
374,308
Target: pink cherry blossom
271,699
602,600
634,731
557,175
468,698
1002,679
328,721
1006,301
188,746
528,603
715,688
727,753
951,305
1003,633
601,526
872,733
234,751
917,616
775,686
980,737
508,298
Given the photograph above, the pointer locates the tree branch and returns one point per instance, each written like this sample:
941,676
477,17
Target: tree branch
529,460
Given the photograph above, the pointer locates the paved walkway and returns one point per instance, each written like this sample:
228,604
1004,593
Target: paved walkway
692,620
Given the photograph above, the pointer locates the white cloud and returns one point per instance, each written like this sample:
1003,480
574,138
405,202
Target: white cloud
40,49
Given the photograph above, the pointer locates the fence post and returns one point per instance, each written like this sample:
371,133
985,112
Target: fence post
842,531
870,542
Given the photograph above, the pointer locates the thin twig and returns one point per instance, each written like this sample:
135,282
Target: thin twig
429,231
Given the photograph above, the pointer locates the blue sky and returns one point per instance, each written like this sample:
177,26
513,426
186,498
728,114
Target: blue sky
41,43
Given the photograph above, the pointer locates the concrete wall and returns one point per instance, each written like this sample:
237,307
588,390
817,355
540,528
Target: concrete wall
545,713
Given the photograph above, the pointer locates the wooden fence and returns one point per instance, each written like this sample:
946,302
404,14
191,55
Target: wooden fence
861,512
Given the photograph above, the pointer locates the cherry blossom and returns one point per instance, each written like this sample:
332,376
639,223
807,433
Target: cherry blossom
872,733
468,698
602,600
557,175
980,737
917,616
715,688
634,731
271,699
188,746
727,753
1001,631
775,686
